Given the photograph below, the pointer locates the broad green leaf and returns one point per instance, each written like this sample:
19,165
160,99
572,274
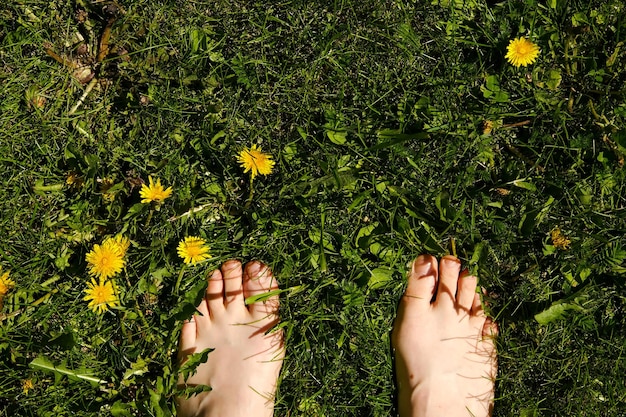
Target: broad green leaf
524,184
302,132
197,39
217,136
584,274
555,312
44,364
554,79
548,250
365,232
492,83
379,276
579,19
161,273
382,251
135,209
155,400
501,97
337,137
120,409
39,187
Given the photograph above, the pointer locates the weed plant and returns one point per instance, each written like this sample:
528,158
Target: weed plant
397,127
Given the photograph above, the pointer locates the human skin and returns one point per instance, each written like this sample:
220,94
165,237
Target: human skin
244,366
444,343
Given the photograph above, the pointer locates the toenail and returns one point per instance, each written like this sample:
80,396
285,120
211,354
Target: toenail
254,269
421,261
421,267
451,258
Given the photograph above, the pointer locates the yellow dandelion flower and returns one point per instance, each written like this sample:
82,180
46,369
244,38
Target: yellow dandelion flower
122,243
105,185
6,283
193,249
521,51
101,295
105,260
488,126
27,385
154,191
74,180
559,240
254,160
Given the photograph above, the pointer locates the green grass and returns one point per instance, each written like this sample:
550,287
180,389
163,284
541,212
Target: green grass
374,113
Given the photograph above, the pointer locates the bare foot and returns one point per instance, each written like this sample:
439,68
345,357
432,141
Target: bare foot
445,354
243,369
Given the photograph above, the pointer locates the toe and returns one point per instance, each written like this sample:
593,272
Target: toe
258,279
215,293
477,306
233,283
490,328
202,316
422,280
449,269
466,292
187,341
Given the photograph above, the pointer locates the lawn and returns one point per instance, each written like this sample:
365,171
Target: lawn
397,127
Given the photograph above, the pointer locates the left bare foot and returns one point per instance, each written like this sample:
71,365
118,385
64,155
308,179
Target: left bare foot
243,368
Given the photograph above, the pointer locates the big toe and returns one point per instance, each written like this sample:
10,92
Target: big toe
258,283
422,281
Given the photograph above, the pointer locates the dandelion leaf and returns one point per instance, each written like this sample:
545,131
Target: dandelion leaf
554,79
193,361
187,307
557,311
120,409
139,367
190,391
44,364
337,137
364,234
379,277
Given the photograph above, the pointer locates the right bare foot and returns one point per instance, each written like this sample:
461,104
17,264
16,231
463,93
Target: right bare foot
443,341
243,368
